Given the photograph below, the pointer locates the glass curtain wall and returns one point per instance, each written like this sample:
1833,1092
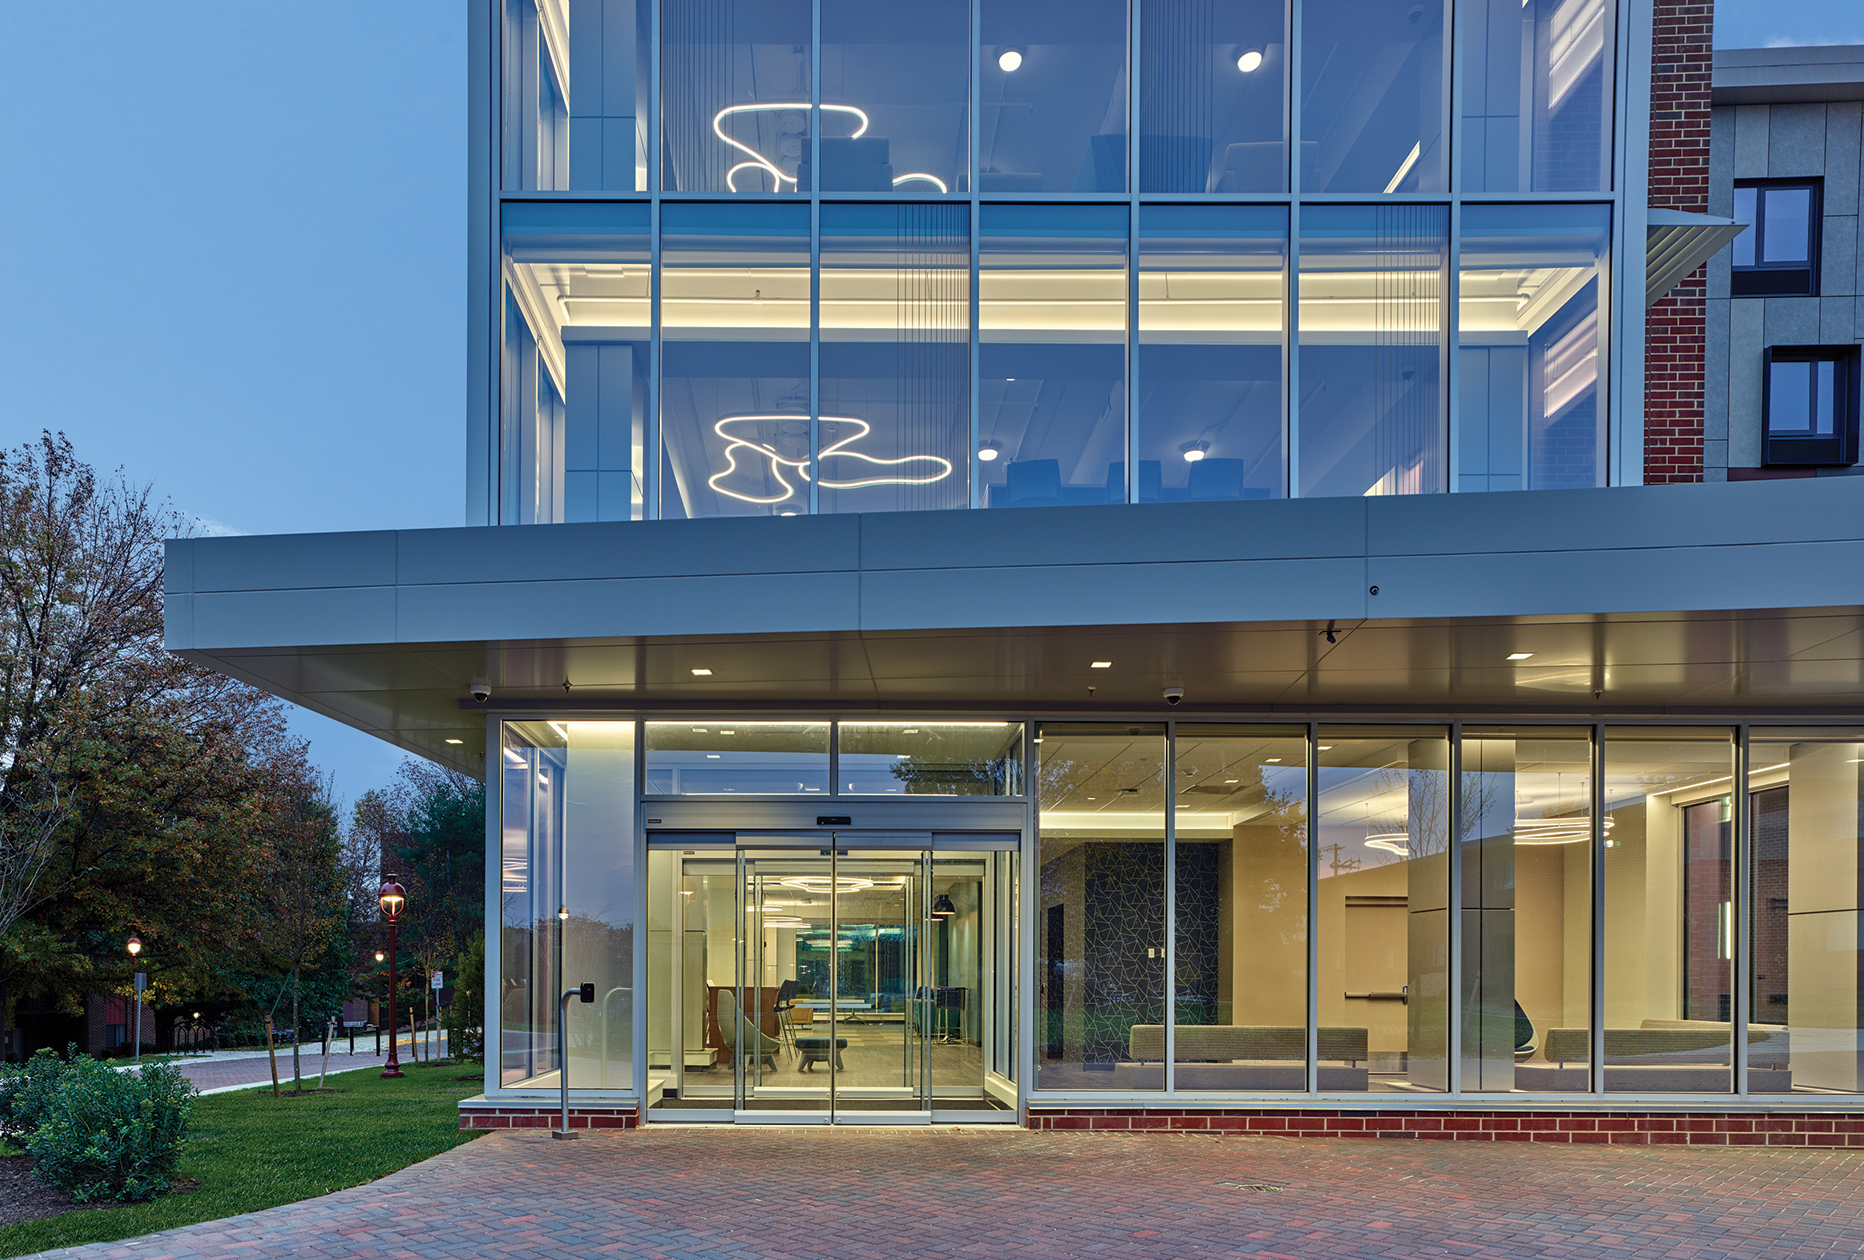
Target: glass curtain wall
1052,310
736,434
578,361
1531,347
1212,314
1805,863
1239,894
1668,875
895,358
1100,907
1526,849
575,83
896,96
567,792
1374,104
1382,820
1212,109
1537,95
1373,314
1052,92
735,93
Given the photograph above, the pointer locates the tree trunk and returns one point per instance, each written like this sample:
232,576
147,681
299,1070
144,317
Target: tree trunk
297,1037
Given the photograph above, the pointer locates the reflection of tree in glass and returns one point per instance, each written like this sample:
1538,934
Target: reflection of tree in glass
956,777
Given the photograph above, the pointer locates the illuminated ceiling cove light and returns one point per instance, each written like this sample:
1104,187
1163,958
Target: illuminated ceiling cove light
936,466
1249,62
456,741
1102,665
1010,60
1519,656
702,673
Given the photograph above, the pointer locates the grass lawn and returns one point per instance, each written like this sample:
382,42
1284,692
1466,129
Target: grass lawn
251,1151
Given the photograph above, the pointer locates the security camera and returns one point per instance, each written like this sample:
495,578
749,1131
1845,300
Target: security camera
480,692
1173,695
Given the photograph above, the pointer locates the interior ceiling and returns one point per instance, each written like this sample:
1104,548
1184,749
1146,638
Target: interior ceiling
1789,661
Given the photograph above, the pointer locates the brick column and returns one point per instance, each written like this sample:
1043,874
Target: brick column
1681,67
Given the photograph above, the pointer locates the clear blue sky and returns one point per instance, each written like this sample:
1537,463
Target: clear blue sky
236,256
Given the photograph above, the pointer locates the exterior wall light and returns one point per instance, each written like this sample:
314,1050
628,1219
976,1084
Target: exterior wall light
1249,62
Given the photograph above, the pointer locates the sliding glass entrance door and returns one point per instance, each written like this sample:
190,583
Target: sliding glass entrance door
839,985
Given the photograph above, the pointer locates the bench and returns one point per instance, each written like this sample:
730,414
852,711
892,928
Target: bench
1243,1056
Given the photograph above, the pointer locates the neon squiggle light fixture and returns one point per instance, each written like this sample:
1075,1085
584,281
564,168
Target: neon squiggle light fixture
735,442
759,162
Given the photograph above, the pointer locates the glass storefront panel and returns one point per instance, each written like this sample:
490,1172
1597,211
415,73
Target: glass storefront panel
1052,86
734,356
1213,88
1373,312
763,758
1240,909
575,94
1383,826
1806,847
1212,314
1100,909
1526,853
1052,294
576,362
895,358
566,800
1531,347
735,94
1669,911
931,758
1373,101
896,96
1537,95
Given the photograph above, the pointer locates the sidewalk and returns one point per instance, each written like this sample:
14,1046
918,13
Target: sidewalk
233,1070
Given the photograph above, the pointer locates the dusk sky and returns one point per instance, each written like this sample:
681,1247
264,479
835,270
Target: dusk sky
236,257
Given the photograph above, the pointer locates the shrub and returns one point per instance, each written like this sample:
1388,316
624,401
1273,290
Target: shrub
464,1019
27,1090
113,1135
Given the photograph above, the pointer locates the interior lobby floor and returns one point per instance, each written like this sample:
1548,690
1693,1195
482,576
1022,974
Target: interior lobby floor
874,1060
780,1192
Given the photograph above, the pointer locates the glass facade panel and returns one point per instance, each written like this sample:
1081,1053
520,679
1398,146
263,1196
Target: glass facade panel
1806,856
762,758
567,902
1052,373
895,358
1240,920
1526,853
931,758
734,361
1373,98
1383,826
1372,320
1537,95
1100,908
735,93
1531,347
1052,86
576,362
896,96
1212,313
1212,108
1669,911
575,94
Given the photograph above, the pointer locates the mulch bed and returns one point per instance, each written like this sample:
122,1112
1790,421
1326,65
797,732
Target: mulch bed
23,1197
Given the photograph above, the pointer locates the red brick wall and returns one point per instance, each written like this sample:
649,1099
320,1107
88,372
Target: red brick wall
1681,64
1640,1128
538,1116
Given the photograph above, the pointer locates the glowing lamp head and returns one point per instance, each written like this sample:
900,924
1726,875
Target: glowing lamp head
1194,451
1249,62
393,898
135,946
1010,60
988,452
379,955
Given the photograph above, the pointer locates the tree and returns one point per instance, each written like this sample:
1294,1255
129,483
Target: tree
304,892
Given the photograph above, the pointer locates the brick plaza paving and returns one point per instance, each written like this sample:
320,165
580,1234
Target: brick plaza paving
698,1193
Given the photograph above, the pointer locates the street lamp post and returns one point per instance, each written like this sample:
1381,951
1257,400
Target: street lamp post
142,978
392,899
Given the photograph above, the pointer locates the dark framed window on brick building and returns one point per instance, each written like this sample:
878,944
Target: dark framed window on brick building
1778,255
1809,405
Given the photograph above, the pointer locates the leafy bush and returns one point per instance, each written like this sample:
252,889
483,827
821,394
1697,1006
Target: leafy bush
465,1018
113,1135
27,1091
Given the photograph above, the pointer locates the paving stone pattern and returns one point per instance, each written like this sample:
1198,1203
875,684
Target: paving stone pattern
866,1194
